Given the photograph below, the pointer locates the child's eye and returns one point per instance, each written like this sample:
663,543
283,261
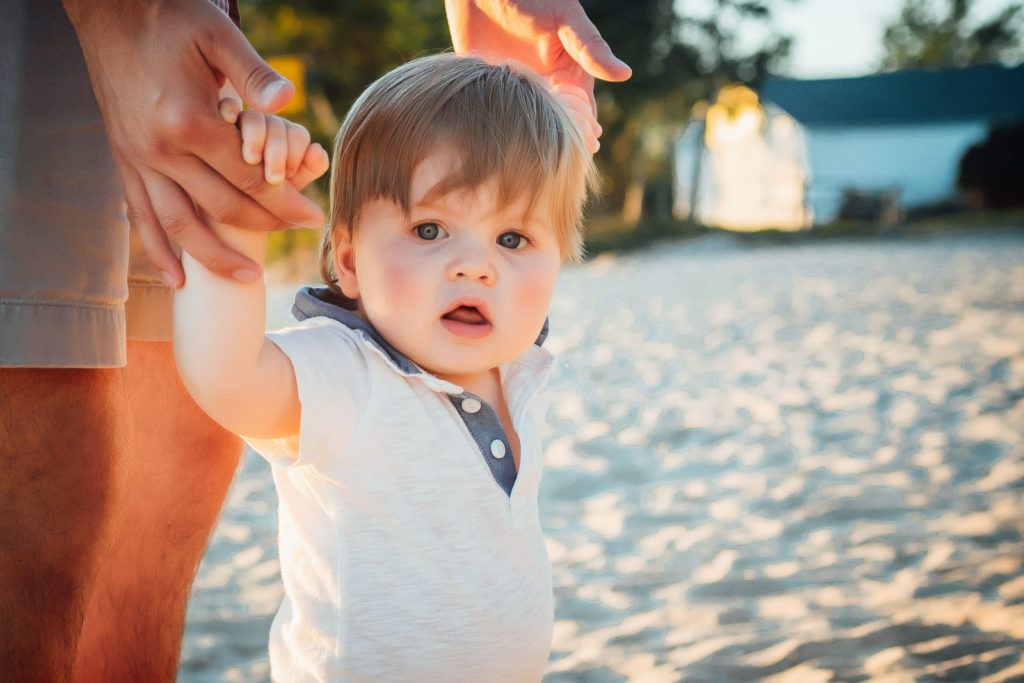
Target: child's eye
512,240
429,231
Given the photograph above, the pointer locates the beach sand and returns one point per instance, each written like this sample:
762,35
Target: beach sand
776,463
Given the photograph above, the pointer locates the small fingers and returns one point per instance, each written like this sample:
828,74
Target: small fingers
314,164
583,125
579,79
298,147
577,98
577,105
275,153
215,173
253,125
230,108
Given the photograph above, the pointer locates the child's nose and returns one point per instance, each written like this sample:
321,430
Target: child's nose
472,262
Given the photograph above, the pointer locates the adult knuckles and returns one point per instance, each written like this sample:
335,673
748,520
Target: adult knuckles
175,126
251,182
137,217
175,224
241,213
230,213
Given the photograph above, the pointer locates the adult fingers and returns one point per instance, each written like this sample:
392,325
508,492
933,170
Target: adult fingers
578,105
578,108
584,43
145,224
578,98
178,218
210,140
228,52
583,126
579,79
226,203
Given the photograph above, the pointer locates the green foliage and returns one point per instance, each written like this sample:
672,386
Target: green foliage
609,235
677,60
344,47
920,37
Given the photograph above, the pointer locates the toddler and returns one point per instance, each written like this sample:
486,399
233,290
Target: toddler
397,414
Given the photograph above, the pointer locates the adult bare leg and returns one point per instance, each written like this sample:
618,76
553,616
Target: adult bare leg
63,438
180,467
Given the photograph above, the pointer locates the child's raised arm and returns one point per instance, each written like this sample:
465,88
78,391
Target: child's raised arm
235,374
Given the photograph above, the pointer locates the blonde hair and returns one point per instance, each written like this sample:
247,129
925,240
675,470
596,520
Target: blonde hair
500,121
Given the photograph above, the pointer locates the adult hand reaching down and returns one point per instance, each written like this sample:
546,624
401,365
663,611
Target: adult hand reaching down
552,37
156,71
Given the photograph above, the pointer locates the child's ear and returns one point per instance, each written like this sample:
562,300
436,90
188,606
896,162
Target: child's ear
345,261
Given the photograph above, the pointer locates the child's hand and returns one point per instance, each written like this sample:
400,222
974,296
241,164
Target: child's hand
282,146
577,105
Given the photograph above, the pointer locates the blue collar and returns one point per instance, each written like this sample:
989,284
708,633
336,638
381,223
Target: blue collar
311,302
480,419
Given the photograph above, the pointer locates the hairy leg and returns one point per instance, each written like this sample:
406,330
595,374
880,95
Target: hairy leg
180,467
63,438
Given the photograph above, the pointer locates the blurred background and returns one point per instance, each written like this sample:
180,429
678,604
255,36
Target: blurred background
785,437
746,115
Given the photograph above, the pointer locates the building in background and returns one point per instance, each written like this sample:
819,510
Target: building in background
741,166
902,132
895,137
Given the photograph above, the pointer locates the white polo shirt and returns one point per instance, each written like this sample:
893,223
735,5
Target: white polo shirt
403,557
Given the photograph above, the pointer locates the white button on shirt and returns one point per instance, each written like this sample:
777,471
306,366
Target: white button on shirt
498,449
470,405
371,481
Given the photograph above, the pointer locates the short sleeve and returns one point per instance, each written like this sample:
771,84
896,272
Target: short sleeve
333,382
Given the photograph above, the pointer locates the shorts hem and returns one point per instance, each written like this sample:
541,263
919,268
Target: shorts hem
41,334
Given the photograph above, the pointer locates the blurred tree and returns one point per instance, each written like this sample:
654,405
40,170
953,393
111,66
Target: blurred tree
676,60
920,37
344,45
991,172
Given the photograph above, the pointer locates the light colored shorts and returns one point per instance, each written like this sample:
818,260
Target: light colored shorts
73,285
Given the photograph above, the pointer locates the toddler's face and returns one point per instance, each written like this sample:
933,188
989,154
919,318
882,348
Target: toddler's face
459,286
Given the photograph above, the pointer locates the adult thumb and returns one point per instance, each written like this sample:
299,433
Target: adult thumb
259,86
584,43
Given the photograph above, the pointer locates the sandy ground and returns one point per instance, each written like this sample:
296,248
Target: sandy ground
794,463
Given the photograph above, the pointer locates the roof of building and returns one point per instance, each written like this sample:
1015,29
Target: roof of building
991,92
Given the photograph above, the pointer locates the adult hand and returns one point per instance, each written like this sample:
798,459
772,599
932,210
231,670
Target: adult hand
552,37
156,69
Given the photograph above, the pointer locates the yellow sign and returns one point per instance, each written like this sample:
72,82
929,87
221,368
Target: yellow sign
292,69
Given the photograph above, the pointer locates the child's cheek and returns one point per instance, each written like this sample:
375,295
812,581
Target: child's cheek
404,284
536,289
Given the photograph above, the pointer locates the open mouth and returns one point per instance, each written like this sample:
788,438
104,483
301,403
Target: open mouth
468,315
467,321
